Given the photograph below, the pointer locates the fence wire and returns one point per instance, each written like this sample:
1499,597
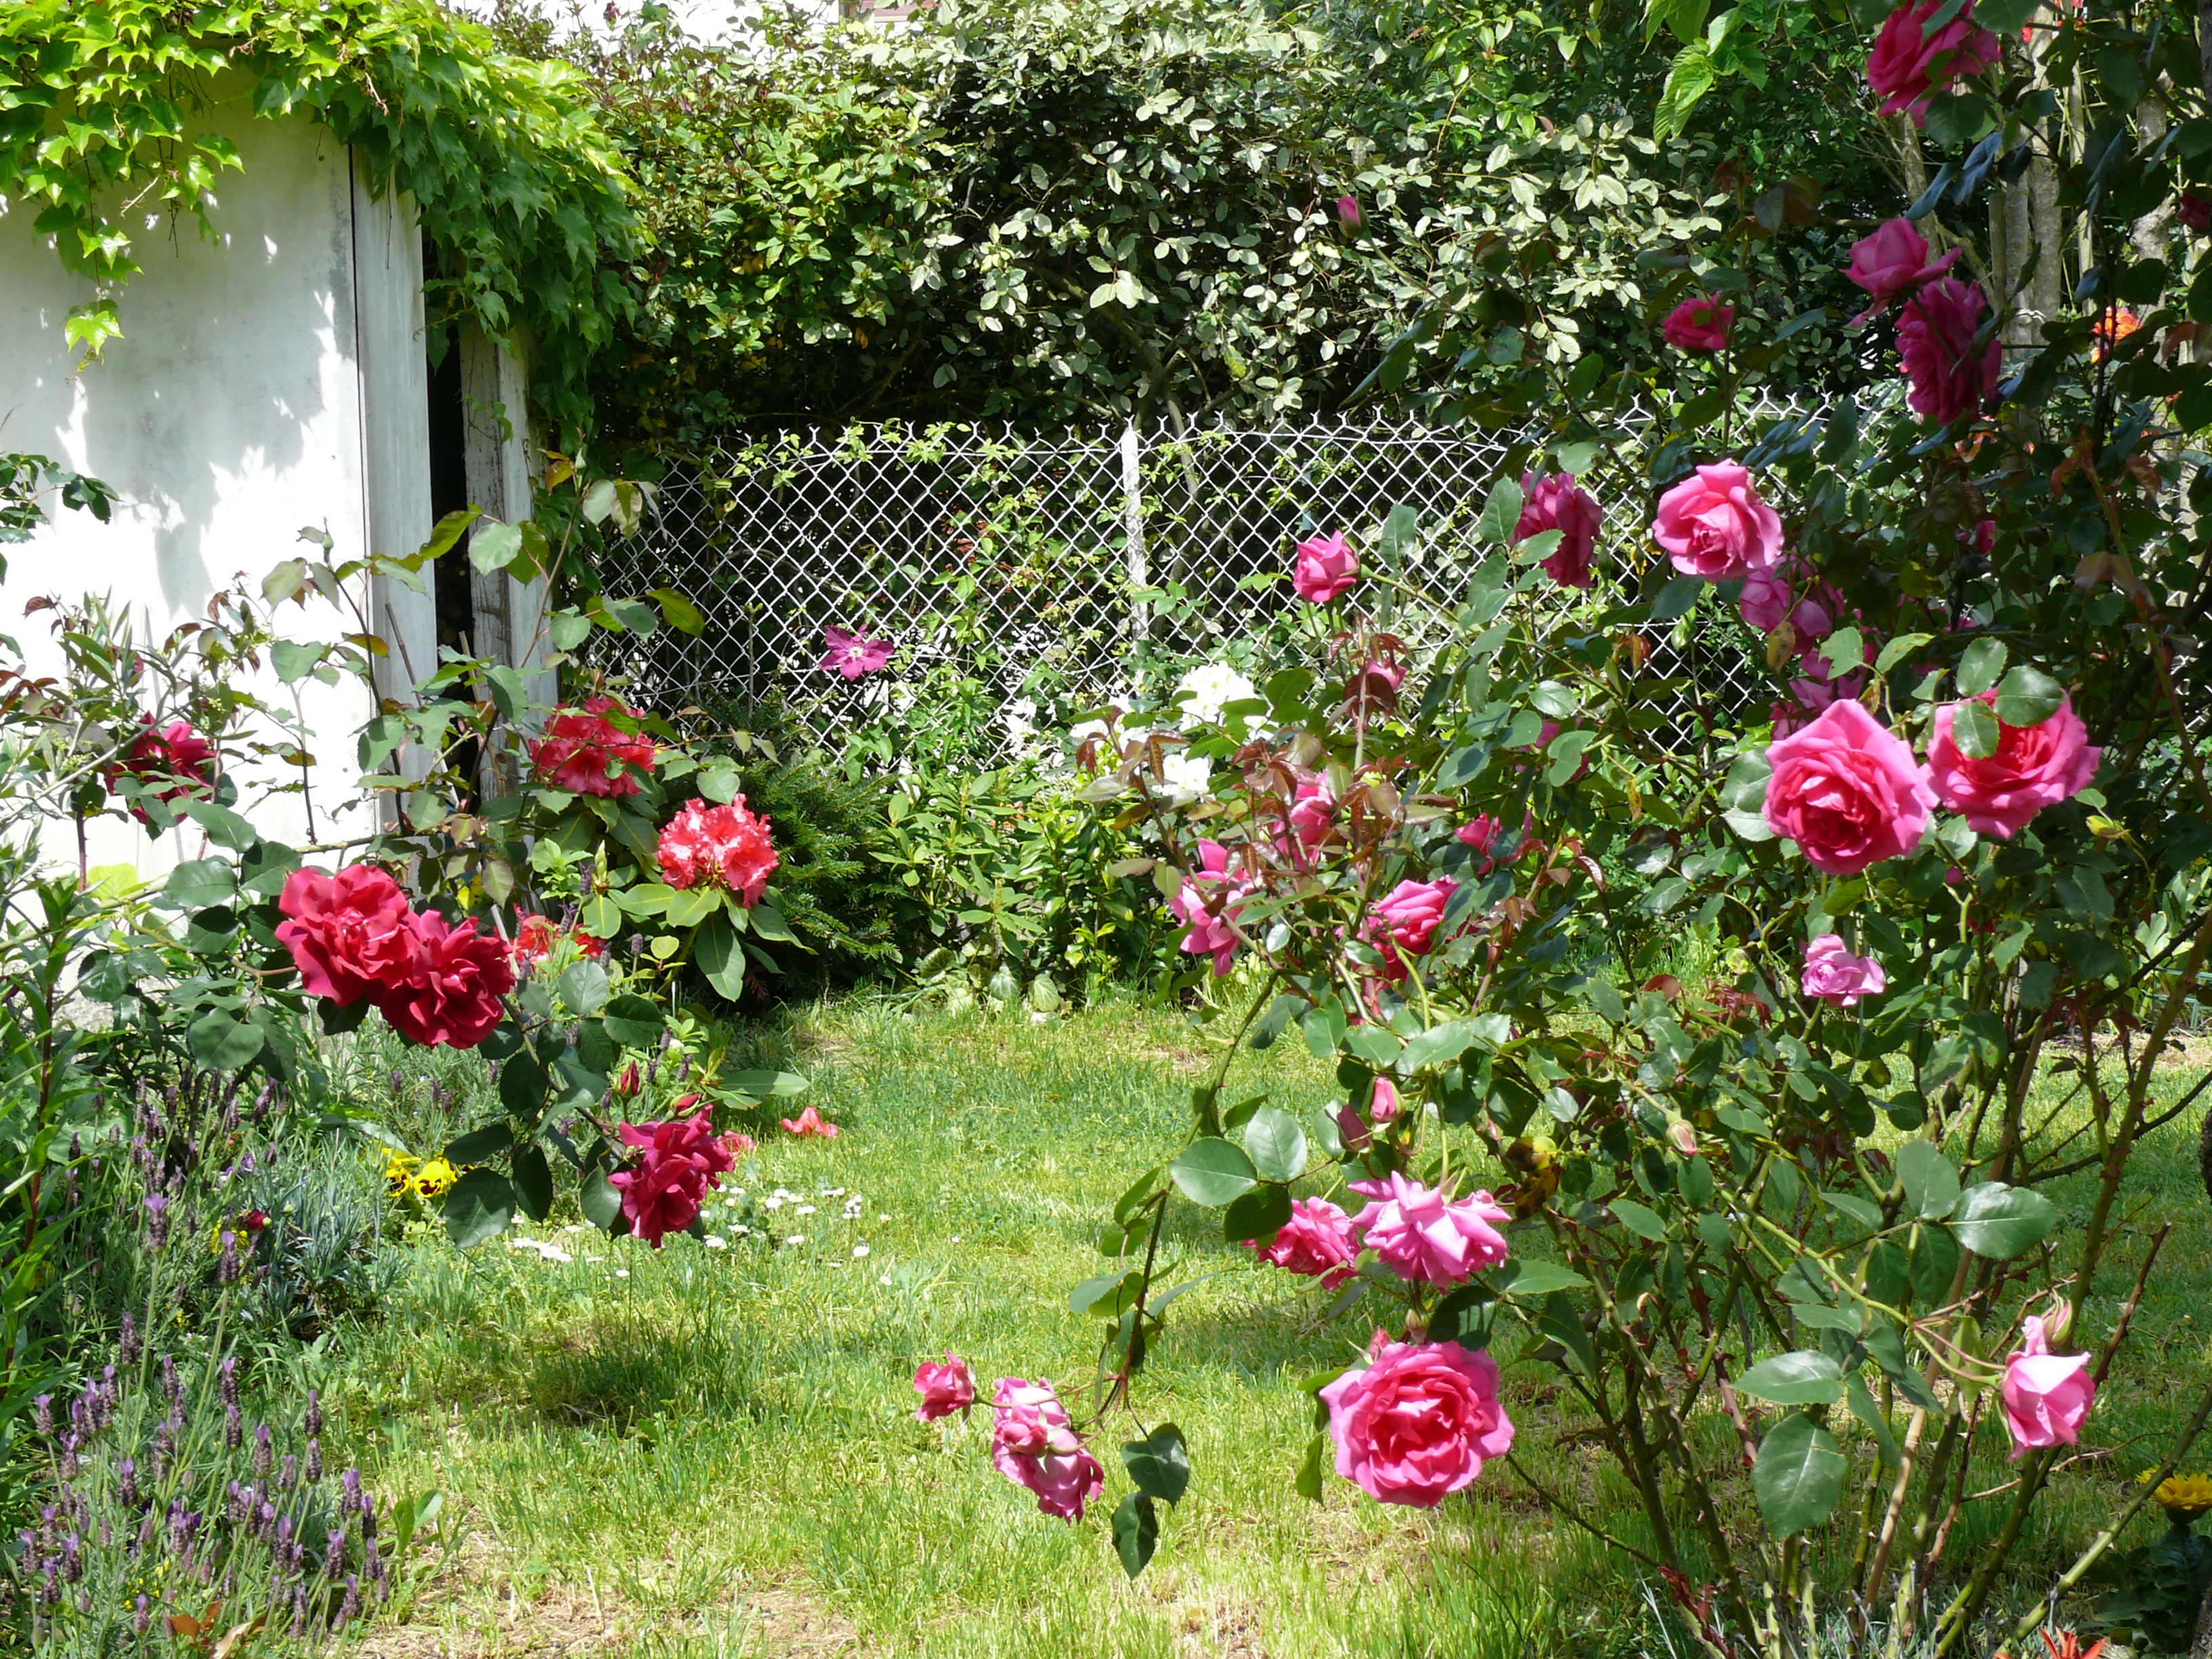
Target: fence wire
1046,576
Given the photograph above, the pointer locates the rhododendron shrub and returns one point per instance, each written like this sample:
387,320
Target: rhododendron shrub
1775,1211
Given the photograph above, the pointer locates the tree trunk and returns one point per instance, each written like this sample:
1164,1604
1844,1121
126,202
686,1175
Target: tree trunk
2202,1647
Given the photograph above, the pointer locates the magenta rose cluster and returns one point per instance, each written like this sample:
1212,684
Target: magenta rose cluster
1033,1440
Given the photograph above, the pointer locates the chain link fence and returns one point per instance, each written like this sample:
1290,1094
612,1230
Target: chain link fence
1042,577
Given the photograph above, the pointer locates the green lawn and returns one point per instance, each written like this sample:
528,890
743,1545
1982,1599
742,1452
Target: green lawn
714,1451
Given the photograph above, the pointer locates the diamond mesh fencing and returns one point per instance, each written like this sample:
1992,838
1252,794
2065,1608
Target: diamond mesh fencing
1030,579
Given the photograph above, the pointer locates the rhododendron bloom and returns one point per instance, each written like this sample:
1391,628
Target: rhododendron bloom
352,935
1418,1422
1833,976
2114,326
1315,1242
809,1122
2046,1395
944,1389
452,996
1700,324
1558,502
1892,262
847,653
2034,767
718,846
1033,1445
1909,65
1949,375
677,1161
1326,567
1714,524
172,762
1847,790
587,754
1207,905
1422,1236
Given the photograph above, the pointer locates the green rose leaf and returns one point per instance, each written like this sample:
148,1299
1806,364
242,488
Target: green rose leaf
1644,1223
1985,660
1213,1172
1803,1378
1136,1532
1999,1222
199,884
479,1205
522,1084
1276,1143
1931,1185
600,1199
1501,513
534,1182
1160,1463
1542,1277
1256,1215
634,1021
1974,729
2027,697
222,1042
1798,1476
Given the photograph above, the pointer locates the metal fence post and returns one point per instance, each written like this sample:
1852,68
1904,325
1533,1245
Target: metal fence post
1132,526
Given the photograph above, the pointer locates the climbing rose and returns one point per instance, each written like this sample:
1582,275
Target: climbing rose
944,1389
169,763
1892,262
1411,911
809,1122
1383,1102
1348,209
1833,976
1700,324
1420,1235
1478,836
349,934
2194,210
1908,66
1033,1445
587,754
1326,567
453,995
2034,767
1714,524
1315,1242
1948,375
1558,502
1766,600
1418,1422
847,653
677,1162
2046,1395
1847,791
718,847
1207,905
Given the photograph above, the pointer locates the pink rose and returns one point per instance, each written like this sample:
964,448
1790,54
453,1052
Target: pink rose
1908,66
1326,567
847,653
944,1389
1033,1445
1207,905
809,1122
1700,324
452,996
2046,1395
1949,375
1766,600
1892,262
1847,790
1714,524
1418,1422
677,1161
1833,976
1558,502
1405,920
1420,1235
1313,819
719,845
1347,211
586,753
1480,835
1383,1102
1315,1242
2034,767
352,935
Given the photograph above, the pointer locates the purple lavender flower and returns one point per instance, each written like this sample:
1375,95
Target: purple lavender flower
287,1474
233,1427
128,1348
42,1413
226,1271
350,1608
314,1470
157,1222
126,1483
350,1499
313,1420
264,1452
226,1381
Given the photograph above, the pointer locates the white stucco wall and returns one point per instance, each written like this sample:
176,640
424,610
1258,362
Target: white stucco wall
271,379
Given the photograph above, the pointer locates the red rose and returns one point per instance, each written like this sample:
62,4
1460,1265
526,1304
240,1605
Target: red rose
349,934
677,1161
173,762
1948,375
454,996
588,754
1909,65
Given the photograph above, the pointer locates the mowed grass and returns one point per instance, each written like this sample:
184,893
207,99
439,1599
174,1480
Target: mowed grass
714,1451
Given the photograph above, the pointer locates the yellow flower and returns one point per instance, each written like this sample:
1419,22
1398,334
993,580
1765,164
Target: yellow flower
435,1177
399,1170
2184,1496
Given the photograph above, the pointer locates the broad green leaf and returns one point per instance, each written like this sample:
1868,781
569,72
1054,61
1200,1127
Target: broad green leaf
717,954
1859,1209
479,1205
583,987
1799,1475
1898,649
1501,513
1256,1215
681,614
1309,1481
1107,1294
293,661
1846,652
1643,1222
1863,1407
1213,1171
1931,1185
1802,1378
223,1043
522,1084
634,1021
477,1144
691,908
534,1182
1439,1045
1974,729
599,1198
767,1085
2028,697
199,884
494,546
1160,1463
1985,660
1276,1143
1537,1278
768,921
1999,1222
1136,1532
